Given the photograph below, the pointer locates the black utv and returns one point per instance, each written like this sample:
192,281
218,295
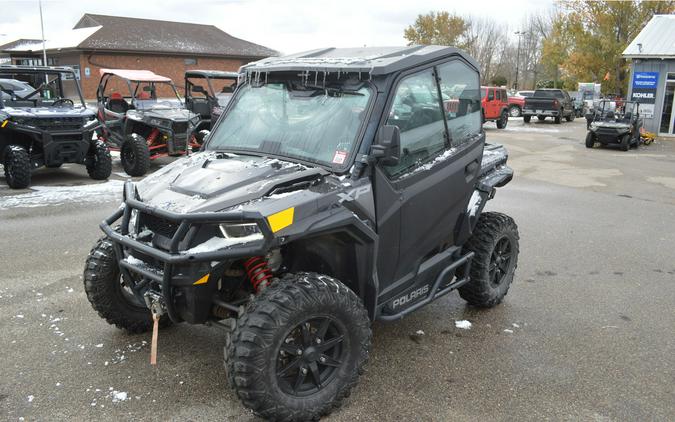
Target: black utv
143,117
615,127
315,207
207,93
45,122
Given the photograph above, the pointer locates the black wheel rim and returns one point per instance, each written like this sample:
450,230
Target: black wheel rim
310,356
500,261
129,156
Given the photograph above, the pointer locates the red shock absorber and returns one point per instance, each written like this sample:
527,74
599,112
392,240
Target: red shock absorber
153,136
258,272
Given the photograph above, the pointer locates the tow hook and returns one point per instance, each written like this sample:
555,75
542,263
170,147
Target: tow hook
155,303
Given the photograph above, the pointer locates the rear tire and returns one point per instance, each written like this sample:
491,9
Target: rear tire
102,283
282,333
17,167
590,140
99,162
135,155
570,118
503,120
526,119
495,245
541,118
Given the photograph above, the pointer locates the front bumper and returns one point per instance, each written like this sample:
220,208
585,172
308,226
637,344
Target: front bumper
58,146
176,269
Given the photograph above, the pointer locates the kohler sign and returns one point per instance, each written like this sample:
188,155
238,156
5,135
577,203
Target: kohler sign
644,87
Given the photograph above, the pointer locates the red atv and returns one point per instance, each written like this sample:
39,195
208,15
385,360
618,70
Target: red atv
495,105
143,117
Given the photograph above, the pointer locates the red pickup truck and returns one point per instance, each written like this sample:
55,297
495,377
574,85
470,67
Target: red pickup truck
495,105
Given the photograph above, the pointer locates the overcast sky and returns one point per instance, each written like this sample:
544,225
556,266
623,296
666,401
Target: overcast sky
284,25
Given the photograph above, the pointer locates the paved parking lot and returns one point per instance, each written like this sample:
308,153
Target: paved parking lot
586,332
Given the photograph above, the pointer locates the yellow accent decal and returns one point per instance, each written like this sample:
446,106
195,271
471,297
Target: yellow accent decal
281,220
202,280
5,123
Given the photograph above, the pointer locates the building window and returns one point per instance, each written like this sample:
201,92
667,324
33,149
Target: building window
51,61
190,61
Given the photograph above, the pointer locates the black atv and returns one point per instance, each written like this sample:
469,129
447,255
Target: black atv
315,207
615,128
207,92
46,123
147,122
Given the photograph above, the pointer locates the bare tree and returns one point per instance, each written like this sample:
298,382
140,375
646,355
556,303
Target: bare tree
484,40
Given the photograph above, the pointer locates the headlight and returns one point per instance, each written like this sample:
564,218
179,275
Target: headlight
251,230
160,122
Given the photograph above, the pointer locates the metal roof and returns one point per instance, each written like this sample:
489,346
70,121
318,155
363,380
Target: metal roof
657,39
214,74
136,75
373,60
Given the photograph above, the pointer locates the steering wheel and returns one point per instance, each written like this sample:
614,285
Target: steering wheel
63,101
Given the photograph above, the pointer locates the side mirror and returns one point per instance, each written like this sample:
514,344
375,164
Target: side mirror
387,149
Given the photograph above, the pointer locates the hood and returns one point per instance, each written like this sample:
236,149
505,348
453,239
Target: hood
48,112
214,181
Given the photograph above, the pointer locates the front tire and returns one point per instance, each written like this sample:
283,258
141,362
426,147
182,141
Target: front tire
514,111
299,348
526,119
590,140
135,155
103,285
17,167
558,119
99,162
625,142
495,245
503,120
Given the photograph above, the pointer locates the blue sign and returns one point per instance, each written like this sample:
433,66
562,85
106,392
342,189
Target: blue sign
645,80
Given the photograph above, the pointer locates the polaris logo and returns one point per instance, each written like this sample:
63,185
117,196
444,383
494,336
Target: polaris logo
411,296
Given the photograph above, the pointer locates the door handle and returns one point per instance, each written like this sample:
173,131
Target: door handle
470,168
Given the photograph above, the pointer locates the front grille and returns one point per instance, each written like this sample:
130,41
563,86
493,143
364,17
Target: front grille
180,127
58,123
157,225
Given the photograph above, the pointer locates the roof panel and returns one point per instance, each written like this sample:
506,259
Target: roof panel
136,75
373,60
657,39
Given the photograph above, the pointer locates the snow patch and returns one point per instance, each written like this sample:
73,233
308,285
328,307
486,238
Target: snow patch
474,203
43,196
119,396
463,324
508,331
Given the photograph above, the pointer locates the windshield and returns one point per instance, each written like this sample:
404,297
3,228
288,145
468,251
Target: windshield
39,89
313,124
156,95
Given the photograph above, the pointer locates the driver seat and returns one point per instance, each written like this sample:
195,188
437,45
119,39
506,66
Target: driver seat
117,104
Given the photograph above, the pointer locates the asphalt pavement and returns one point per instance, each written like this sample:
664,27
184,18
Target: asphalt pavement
587,331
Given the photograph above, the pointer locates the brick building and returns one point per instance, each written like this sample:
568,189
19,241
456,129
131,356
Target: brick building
166,48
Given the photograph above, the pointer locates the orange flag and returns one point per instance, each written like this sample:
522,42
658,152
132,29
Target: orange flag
606,78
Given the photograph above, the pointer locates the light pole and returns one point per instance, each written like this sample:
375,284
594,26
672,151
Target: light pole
42,27
519,34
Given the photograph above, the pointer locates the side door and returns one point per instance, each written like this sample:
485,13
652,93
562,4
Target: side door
112,106
420,200
490,108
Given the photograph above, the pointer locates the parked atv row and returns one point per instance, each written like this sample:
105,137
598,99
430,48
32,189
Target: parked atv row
140,114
